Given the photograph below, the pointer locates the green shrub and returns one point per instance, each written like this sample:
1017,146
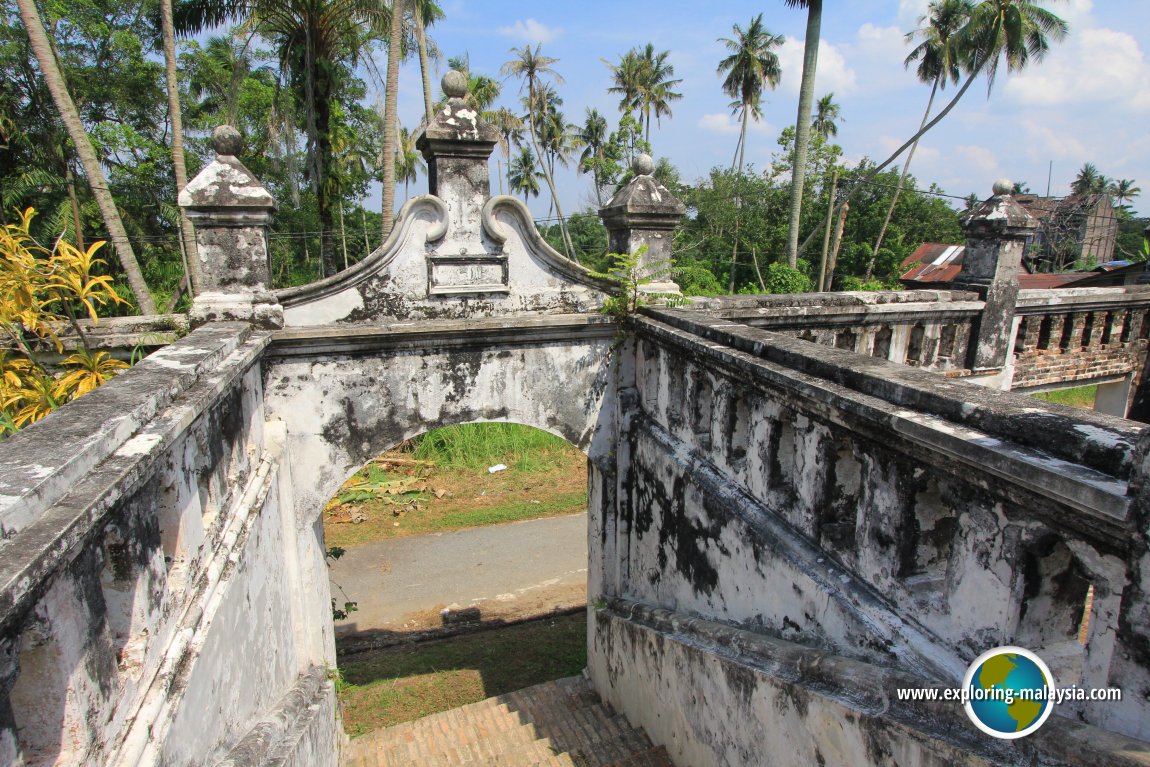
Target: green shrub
781,278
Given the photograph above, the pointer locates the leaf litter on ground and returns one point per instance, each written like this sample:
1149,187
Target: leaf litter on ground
398,483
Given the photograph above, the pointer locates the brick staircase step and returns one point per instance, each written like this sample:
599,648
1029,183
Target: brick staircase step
556,724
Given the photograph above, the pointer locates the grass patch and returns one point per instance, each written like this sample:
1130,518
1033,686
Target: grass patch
479,445
441,483
1081,396
399,684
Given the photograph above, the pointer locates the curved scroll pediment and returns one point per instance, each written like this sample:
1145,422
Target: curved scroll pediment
518,217
438,263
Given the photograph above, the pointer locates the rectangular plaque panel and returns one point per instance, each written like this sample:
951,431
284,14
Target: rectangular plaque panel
461,275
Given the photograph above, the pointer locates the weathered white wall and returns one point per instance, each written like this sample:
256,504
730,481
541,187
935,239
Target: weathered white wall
155,609
716,695
869,511
435,268
343,405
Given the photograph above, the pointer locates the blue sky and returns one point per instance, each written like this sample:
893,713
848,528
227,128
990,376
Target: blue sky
1088,101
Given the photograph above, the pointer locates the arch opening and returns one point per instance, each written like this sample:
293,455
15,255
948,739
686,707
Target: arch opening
458,564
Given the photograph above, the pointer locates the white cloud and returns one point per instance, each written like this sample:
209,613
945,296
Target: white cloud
979,158
1045,143
909,12
531,30
726,123
1075,12
877,52
924,154
833,74
1093,66
718,123
870,34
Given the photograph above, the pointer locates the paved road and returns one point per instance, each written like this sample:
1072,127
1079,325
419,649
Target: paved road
503,571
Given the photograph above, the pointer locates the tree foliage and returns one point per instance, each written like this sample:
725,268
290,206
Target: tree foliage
708,233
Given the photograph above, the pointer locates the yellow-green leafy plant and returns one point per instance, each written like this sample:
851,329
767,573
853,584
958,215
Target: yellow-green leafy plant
42,291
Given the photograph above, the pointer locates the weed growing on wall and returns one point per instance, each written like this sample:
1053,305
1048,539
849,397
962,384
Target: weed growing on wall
339,613
631,276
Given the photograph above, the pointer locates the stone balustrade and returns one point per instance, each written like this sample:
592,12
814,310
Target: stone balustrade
930,329
1085,335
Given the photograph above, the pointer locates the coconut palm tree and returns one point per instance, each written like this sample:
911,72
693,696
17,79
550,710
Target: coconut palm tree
803,120
187,233
625,78
939,55
828,114
482,91
656,86
350,160
424,13
752,65
408,162
592,136
1125,190
316,42
42,49
532,66
555,138
524,176
1014,31
1088,180
645,81
214,78
390,108
510,128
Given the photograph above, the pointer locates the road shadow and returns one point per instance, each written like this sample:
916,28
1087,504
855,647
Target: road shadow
468,620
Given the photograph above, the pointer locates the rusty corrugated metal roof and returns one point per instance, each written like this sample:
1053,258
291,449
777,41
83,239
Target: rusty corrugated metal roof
1044,281
933,263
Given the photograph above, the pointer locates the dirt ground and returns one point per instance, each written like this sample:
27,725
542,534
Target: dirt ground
411,497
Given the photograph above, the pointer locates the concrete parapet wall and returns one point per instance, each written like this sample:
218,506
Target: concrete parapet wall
346,397
715,694
866,509
931,329
1091,336
149,591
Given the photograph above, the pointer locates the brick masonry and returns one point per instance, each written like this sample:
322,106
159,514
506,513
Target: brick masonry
1041,367
557,724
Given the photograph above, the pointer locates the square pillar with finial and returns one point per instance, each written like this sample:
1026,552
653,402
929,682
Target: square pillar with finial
456,145
996,234
231,210
645,213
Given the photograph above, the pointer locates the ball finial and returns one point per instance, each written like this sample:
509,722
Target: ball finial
1004,186
643,165
227,140
455,84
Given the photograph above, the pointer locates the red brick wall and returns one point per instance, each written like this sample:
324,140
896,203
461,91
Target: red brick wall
1039,367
